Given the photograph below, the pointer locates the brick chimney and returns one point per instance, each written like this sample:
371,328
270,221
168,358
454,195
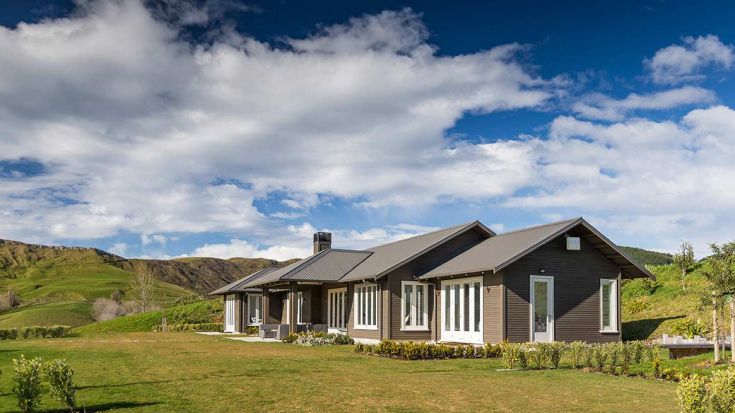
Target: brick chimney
322,241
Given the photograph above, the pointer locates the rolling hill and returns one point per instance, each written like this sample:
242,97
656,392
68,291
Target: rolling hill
57,285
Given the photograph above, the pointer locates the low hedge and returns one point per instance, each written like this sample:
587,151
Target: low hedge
34,332
409,350
208,327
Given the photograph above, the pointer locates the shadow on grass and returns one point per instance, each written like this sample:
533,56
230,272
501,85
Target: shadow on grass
103,407
642,329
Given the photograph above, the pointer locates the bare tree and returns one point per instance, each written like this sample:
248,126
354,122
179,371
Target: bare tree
721,275
142,287
684,259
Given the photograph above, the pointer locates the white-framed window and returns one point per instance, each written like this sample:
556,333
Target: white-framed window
366,306
299,307
414,305
608,306
254,308
461,310
336,321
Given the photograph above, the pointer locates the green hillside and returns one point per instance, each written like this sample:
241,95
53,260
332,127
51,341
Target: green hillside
57,285
647,257
653,308
200,312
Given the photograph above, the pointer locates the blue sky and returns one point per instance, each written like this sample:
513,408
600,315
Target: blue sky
236,129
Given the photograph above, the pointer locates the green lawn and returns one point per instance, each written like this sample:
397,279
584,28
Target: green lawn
185,372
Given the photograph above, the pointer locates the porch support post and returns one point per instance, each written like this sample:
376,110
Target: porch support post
292,288
265,302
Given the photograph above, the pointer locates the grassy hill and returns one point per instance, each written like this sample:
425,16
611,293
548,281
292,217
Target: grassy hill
57,285
200,312
653,308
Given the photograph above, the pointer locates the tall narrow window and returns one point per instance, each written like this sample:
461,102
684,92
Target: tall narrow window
457,308
366,308
447,306
414,305
608,306
476,310
299,307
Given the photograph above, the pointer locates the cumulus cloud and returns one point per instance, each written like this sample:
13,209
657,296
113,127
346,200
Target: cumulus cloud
684,62
598,106
141,131
119,248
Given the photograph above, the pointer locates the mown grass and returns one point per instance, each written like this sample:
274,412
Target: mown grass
200,312
185,372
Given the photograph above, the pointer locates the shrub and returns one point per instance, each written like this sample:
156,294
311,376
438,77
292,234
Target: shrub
250,330
491,350
511,353
588,356
722,391
60,378
656,367
637,351
577,352
600,355
692,394
557,350
311,338
27,380
613,351
107,309
689,328
635,306
8,333
217,327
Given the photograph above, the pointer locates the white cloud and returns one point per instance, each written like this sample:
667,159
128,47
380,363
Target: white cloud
240,248
147,239
119,248
143,132
678,63
597,106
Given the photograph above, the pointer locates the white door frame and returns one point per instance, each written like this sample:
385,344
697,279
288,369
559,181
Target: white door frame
549,335
461,336
337,329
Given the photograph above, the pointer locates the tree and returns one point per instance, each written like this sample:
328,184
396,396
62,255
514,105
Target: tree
684,259
142,287
720,273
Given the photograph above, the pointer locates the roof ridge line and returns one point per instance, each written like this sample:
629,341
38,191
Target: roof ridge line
422,235
564,221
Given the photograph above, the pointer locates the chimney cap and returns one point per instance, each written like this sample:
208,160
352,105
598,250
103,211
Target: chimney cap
322,236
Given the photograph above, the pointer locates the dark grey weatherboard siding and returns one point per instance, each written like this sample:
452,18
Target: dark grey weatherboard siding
407,272
577,277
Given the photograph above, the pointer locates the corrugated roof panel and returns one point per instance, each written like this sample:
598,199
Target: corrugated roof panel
331,266
389,256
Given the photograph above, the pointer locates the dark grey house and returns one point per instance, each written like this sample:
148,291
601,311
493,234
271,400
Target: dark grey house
464,284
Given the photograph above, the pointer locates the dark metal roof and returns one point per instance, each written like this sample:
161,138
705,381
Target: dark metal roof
502,250
236,286
388,257
329,265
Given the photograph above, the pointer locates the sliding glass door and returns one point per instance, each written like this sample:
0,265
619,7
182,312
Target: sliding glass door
461,318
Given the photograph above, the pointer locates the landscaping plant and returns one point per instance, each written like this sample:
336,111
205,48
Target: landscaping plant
721,391
692,394
27,381
577,351
60,378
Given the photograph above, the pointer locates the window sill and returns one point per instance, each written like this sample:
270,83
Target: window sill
365,328
609,332
415,329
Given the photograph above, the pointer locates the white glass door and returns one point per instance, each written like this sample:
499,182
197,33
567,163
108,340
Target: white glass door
542,308
462,310
336,320
230,314
254,308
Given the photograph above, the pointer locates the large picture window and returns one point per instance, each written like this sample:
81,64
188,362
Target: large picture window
366,306
414,305
609,306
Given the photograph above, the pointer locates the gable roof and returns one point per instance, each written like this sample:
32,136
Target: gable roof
502,250
387,257
327,265
237,285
